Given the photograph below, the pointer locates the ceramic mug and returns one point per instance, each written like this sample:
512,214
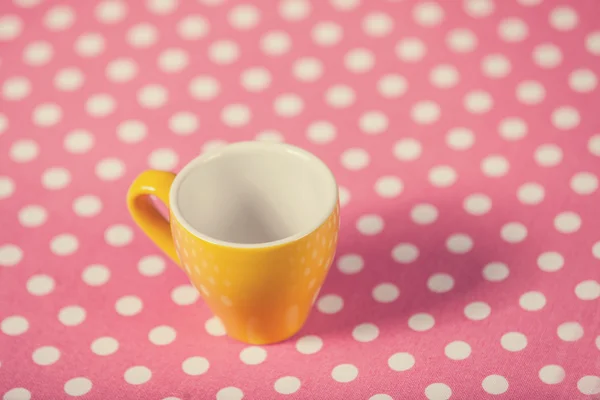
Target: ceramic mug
254,225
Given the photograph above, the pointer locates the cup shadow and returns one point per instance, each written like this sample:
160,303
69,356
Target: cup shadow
368,295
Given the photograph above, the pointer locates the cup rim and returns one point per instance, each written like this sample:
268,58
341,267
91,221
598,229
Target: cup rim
252,146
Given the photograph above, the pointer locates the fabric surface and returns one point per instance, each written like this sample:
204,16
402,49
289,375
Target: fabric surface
465,136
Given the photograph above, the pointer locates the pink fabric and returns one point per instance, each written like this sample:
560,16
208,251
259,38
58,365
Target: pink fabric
465,137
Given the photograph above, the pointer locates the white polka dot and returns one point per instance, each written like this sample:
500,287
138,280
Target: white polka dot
45,355
152,96
243,17
459,243
287,385
214,327
183,123
229,393
195,366
161,7
294,10
16,88
588,290
531,193
89,45
330,304
3,123
460,139
68,79
513,30
405,253
584,183
104,346
110,169
359,60
547,55
121,70
401,362
567,222
495,384
442,176
479,8
56,178
478,102
151,265
532,301
565,118
71,315
344,5
128,306
142,35
589,385
598,342
78,386
594,145
253,355
14,325
529,3
530,92
392,86
513,232
550,261
288,105
213,145
326,33
512,128
38,53
32,216
388,186
421,322
95,275
424,214
64,244
365,332
461,40
350,264
11,27
252,79
163,159
173,60
495,271
193,27
184,295
583,80
59,18
407,149
47,114
79,141
440,283
370,224
385,293
425,112
223,52
513,341
457,350
477,204
548,155
410,49
444,76
118,235
344,196
100,105
275,43
137,375
377,24
340,96
344,373
162,335
355,159
40,285
563,18
110,11
270,136
307,69
592,43
570,331
428,13
310,344
495,66
495,166
477,311
236,115
438,391
204,87
7,187
595,250
27,3
24,150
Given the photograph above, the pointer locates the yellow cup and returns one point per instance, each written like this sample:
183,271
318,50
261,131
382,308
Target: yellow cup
254,225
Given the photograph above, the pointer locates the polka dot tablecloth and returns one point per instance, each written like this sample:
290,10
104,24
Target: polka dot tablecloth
465,136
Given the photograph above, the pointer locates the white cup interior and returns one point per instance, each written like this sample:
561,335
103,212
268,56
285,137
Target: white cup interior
250,194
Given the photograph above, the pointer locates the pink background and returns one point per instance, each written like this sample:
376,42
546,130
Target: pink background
465,136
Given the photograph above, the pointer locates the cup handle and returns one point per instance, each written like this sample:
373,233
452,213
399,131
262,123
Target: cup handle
145,214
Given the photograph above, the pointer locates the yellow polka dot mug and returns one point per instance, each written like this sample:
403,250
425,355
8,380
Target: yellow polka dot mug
254,225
